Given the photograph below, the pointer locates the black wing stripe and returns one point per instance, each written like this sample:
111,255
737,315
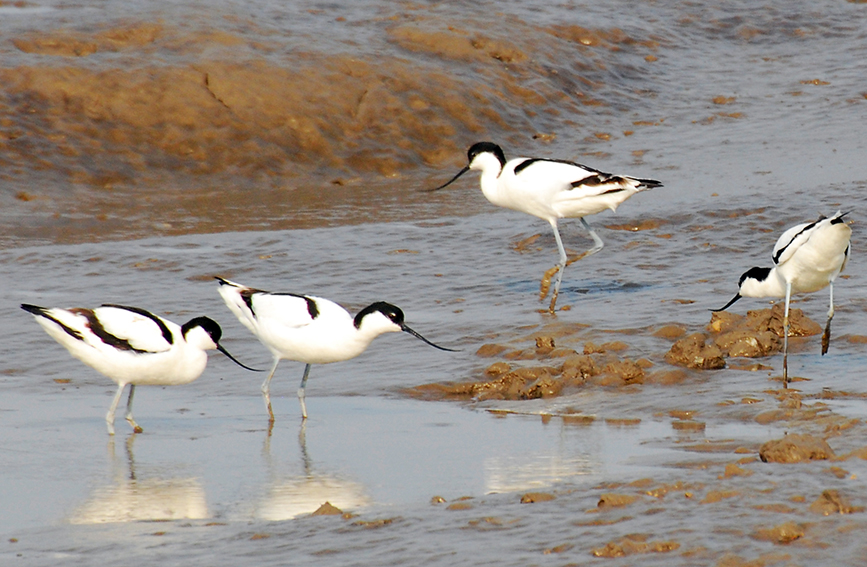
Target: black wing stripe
97,329
312,310
530,161
247,296
789,243
167,334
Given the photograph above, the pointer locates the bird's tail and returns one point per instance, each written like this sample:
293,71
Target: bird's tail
34,309
224,281
645,184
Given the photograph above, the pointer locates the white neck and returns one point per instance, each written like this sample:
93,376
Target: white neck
772,286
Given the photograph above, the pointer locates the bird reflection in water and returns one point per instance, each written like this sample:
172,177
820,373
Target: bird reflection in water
293,496
130,498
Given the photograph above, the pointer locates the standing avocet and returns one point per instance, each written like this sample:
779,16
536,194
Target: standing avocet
309,329
807,258
132,346
550,189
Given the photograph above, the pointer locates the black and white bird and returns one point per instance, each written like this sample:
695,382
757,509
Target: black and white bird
309,329
132,346
807,258
550,189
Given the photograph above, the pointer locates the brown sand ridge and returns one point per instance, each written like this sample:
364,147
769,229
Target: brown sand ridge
215,101
213,116
100,121
209,99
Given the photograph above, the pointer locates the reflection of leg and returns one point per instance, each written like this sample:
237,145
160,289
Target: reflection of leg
109,417
786,336
129,419
302,444
266,390
826,336
301,395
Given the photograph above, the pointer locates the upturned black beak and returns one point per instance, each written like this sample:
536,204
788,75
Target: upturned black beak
235,360
406,329
452,180
729,304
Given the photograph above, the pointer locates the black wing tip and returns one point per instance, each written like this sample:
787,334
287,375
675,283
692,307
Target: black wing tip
838,218
34,309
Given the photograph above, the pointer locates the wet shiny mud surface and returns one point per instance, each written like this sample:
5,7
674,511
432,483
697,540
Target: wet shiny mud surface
597,442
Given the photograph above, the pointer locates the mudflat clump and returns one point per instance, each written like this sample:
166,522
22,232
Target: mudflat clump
796,448
832,502
786,532
693,351
758,333
634,544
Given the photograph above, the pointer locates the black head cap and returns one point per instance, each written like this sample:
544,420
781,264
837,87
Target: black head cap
760,274
393,312
209,325
482,147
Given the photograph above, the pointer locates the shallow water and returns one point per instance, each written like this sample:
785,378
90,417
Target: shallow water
747,116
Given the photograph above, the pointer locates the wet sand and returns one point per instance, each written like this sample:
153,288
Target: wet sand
142,157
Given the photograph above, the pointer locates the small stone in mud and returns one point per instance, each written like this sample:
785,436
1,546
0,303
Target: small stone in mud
498,368
692,352
784,533
459,506
749,344
734,470
611,500
795,448
670,332
666,377
622,372
622,421
592,348
563,547
571,419
561,352
533,497
489,350
614,346
579,366
372,524
832,502
717,495
688,425
633,544
681,414
838,472
327,509
544,387
437,500
544,345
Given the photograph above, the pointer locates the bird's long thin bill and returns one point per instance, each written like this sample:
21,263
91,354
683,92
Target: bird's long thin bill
235,360
452,180
416,335
729,304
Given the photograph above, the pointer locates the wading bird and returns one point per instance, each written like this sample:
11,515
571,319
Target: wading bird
550,189
132,346
807,258
309,329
